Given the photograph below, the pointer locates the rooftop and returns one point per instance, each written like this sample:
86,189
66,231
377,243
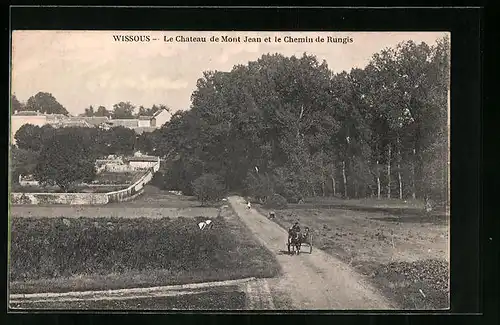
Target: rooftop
143,158
124,122
28,113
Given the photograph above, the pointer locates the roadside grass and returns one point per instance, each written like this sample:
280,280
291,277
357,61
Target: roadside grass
226,298
62,254
406,257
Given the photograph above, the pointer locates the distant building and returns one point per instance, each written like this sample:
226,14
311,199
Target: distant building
142,162
145,121
92,120
160,117
128,123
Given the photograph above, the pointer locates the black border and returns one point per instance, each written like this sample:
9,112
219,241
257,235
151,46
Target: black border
467,237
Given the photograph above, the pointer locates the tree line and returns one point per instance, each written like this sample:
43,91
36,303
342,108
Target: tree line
46,103
290,126
124,110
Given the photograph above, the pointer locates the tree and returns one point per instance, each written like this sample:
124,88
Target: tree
117,140
370,131
31,137
123,110
65,159
22,162
15,104
208,188
102,111
45,103
89,111
28,137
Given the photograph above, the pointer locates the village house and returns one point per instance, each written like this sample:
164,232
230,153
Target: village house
160,118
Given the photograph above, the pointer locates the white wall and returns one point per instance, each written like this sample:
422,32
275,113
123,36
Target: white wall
18,121
144,123
162,118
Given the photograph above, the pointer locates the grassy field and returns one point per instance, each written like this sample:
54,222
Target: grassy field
68,253
406,256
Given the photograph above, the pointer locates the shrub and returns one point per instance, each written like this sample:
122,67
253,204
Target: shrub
208,188
276,201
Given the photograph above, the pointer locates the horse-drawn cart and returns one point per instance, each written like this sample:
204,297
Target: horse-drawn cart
298,240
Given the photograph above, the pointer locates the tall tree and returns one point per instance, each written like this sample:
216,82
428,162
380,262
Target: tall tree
15,104
28,137
44,102
89,111
102,111
65,160
22,162
123,110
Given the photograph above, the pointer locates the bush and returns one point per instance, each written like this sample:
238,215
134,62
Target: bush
276,201
208,187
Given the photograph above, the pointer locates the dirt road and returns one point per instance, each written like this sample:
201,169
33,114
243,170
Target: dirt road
315,281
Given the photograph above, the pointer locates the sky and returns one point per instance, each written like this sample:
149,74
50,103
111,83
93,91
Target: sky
82,68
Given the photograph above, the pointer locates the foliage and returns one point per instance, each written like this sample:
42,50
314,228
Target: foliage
275,201
260,186
312,132
65,159
15,104
28,137
22,162
208,188
102,111
45,103
144,111
123,110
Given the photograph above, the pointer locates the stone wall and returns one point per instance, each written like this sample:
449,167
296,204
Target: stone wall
59,198
86,198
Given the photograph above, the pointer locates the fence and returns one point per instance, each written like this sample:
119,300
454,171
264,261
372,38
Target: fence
124,195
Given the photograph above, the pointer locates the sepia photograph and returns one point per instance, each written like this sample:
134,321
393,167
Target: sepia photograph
229,170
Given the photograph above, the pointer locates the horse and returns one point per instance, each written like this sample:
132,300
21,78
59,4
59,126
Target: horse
295,240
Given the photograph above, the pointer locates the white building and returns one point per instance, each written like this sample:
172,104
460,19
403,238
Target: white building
145,121
160,117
